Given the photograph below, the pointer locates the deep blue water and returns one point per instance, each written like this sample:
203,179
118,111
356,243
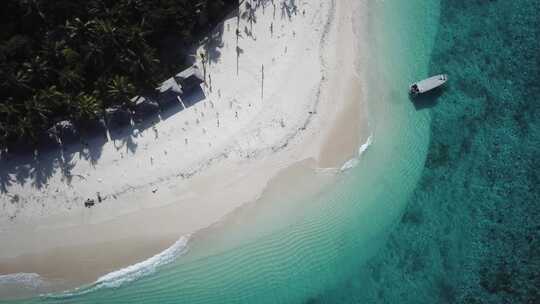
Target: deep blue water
471,230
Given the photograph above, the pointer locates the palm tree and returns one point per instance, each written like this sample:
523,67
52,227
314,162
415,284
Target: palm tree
38,109
35,118
93,55
80,31
32,8
52,50
86,107
121,90
106,30
21,81
56,100
71,79
7,113
37,71
204,60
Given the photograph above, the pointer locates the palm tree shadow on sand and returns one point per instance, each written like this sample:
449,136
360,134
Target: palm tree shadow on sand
37,164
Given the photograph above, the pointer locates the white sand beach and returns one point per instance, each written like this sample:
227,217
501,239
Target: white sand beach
280,91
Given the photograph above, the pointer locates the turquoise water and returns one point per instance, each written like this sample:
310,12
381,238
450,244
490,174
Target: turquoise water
458,226
470,232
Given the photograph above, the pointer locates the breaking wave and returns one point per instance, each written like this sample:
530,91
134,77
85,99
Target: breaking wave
32,280
144,268
133,272
351,163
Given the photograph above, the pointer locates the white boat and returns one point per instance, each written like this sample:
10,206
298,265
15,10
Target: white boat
428,84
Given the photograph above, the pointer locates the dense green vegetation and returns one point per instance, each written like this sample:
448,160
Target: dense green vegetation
72,59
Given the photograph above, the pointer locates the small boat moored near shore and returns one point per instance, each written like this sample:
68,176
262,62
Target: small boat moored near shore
427,84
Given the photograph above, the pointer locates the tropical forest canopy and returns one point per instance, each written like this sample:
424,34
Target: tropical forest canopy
73,59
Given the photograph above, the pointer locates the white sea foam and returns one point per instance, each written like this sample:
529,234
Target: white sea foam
133,272
351,163
366,145
29,280
144,268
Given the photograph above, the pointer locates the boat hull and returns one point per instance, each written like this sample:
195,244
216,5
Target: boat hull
428,84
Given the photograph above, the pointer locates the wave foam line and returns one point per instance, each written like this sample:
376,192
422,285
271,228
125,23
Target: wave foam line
351,163
144,268
32,280
133,272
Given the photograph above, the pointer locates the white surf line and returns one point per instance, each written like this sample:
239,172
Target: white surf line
31,280
131,273
353,162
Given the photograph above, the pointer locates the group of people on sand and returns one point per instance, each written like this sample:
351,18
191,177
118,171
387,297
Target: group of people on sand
91,202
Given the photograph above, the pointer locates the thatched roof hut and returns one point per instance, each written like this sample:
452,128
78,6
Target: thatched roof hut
144,107
170,85
189,78
169,93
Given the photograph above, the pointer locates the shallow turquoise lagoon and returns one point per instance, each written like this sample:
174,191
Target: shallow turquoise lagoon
442,207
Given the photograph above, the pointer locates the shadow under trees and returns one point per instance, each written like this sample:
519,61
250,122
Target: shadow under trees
71,63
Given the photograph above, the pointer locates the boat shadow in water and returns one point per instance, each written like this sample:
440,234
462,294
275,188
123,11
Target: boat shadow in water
428,99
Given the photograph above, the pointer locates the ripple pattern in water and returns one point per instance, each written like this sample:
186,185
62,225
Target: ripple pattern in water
339,230
470,232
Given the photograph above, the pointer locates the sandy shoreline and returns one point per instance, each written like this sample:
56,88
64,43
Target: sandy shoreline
250,128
